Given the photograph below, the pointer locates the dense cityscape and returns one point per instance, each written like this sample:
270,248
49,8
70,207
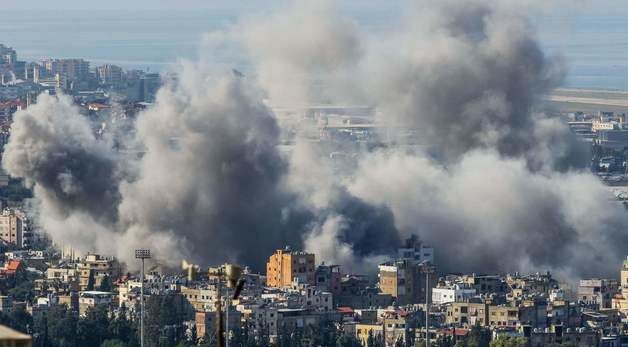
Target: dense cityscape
144,208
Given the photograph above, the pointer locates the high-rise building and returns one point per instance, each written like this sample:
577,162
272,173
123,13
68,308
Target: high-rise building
68,69
287,266
110,74
150,84
8,56
15,228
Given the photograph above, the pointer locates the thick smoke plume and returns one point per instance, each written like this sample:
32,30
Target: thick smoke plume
210,184
494,184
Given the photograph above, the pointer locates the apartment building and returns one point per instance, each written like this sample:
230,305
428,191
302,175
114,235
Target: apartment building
287,266
15,228
93,269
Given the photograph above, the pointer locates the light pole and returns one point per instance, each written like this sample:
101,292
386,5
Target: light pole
428,269
142,254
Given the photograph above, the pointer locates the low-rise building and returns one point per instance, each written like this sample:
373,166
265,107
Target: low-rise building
597,292
406,281
12,338
89,299
467,314
93,269
453,293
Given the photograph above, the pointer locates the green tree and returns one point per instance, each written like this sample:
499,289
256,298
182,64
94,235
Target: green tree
105,284
23,291
21,320
121,328
93,329
165,315
40,330
347,341
61,327
479,337
185,344
90,281
113,343
503,341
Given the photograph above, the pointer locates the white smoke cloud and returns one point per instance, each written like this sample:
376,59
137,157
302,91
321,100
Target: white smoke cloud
487,212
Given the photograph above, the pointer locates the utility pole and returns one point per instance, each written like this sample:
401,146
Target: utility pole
427,269
227,304
219,330
427,309
142,254
230,273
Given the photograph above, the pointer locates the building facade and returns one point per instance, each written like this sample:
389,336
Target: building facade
287,266
15,228
93,269
406,281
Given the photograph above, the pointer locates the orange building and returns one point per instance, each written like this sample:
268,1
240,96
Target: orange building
286,265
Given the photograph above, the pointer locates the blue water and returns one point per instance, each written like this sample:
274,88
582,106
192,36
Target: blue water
594,41
595,46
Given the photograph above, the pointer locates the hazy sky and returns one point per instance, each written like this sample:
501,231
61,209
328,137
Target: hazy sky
220,5
590,7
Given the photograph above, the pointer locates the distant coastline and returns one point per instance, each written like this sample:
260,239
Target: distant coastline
588,100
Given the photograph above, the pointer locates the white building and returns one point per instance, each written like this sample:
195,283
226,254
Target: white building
450,294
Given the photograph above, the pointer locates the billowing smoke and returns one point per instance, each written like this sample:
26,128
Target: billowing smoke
211,172
53,146
489,213
210,184
349,231
494,184
303,53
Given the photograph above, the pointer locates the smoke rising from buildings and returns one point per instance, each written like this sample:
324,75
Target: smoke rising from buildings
209,186
495,185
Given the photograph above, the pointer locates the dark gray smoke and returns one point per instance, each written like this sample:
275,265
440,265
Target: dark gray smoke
209,186
495,187
468,76
349,231
211,173
63,158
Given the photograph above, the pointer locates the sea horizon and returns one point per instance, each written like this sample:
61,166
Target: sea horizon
154,40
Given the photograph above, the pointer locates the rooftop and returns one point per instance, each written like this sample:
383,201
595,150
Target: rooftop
8,334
